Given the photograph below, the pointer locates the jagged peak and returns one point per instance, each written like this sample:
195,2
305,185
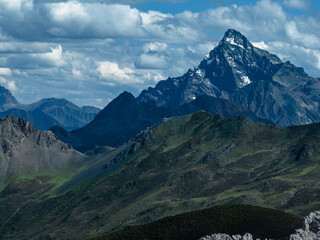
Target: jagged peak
123,97
19,123
125,94
234,37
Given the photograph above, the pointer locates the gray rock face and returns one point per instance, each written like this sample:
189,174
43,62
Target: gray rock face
311,228
26,150
254,78
222,236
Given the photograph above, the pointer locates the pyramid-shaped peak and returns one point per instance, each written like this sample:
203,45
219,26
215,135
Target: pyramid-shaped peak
234,37
126,94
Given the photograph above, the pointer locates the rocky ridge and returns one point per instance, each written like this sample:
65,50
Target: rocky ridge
26,150
236,70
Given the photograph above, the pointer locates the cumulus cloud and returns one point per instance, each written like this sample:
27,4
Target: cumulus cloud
261,45
298,4
82,50
147,61
11,85
113,73
73,19
5,72
54,58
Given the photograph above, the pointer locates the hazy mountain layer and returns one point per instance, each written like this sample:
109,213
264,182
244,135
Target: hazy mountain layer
47,112
67,114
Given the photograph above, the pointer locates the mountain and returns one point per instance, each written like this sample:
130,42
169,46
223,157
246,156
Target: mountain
218,106
125,117
184,163
65,113
26,150
47,112
119,121
279,92
7,101
36,117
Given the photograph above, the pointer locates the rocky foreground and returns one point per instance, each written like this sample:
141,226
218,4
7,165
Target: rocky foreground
310,231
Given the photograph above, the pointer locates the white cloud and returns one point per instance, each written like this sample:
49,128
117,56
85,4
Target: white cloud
202,48
113,73
54,58
298,4
146,61
261,45
73,19
11,85
5,72
83,50
154,47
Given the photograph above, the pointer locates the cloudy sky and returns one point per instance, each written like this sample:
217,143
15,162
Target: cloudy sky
89,51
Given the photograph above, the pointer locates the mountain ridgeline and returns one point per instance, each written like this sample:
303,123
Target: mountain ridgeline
26,150
220,135
184,163
236,70
47,112
125,117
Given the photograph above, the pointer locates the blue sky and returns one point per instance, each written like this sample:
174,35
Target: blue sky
89,51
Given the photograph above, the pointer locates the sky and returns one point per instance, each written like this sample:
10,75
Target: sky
89,51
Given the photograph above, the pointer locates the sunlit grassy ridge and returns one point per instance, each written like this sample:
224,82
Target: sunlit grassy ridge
188,163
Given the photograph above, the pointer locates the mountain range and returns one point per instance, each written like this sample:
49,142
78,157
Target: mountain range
47,112
188,162
235,79
125,117
236,70
220,135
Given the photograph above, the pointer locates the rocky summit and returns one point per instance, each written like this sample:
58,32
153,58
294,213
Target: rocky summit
26,150
238,71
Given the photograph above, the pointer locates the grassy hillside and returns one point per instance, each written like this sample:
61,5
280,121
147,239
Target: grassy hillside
232,219
185,163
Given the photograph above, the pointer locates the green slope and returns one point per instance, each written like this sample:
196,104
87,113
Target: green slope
185,163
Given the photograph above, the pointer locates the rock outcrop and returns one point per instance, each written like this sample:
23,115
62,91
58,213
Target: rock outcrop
311,228
310,231
27,150
222,236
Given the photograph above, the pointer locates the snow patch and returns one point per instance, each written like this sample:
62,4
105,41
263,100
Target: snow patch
245,81
231,41
201,72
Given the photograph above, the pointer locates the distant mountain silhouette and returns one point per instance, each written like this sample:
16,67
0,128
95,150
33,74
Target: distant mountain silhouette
47,112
